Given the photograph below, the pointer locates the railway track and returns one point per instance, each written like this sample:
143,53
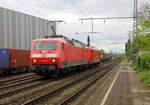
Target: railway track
44,98
21,93
18,82
73,96
14,78
25,94
17,90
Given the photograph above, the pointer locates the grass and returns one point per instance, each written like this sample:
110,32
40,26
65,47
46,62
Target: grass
124,60
145,77
143,74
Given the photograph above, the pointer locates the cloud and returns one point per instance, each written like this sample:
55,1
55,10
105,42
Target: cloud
71,10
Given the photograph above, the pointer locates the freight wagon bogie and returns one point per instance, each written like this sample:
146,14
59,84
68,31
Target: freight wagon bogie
4,71
14,70
19,69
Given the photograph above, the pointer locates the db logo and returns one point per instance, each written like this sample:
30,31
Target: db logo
44,55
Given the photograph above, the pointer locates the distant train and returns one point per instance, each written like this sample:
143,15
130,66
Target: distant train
57,54
13,60
105,57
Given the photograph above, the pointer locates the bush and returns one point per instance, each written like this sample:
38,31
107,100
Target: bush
145,77
144,61
144,42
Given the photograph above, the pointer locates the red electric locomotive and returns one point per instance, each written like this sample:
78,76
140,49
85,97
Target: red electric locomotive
55,54
93,55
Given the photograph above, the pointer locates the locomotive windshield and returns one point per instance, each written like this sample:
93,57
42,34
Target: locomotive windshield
45,45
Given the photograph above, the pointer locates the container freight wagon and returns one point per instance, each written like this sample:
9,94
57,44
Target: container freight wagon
19,59
4,60
106,57
12,60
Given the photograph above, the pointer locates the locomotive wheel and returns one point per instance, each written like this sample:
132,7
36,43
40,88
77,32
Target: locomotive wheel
56,74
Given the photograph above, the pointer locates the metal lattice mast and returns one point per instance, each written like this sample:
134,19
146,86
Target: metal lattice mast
135,27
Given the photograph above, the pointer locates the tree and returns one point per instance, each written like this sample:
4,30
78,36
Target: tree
144,19
144,12
143,32
102,51
142,39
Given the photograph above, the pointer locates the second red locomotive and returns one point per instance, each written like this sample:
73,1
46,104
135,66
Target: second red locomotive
57,54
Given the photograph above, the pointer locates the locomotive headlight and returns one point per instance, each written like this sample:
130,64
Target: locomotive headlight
34,60
53,60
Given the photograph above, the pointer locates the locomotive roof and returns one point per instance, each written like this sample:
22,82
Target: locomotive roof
64,39
53,37
45,39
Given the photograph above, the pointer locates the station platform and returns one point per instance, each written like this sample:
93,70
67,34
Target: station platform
126,88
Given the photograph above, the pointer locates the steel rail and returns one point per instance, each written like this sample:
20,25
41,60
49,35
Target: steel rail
15,79
57,90
11,92
84,88
19,83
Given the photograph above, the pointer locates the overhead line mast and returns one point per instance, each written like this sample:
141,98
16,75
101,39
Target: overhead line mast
135,27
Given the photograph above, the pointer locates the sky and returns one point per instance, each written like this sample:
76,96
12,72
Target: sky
111,34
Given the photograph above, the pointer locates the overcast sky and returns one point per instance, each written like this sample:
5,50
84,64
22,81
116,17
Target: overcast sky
112,33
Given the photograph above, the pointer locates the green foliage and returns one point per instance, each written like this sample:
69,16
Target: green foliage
142,39
145,77
143,68
144,42
145,24
144,61
102,51
144,12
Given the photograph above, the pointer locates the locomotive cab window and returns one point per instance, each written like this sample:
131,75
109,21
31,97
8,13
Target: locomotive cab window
44,45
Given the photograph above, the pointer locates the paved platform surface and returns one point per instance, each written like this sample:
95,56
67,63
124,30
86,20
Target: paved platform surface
121,86
126,89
